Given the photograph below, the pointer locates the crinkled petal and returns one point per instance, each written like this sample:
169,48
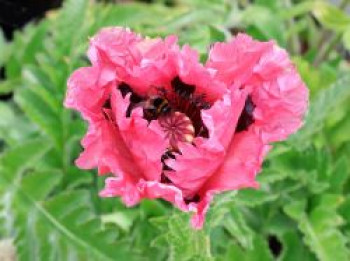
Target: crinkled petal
242,162
107,152
115,45
221,119
157,65
122,187
234,61
280,96
192,72
278,93
207,154
87,90
145,141
151,190
194,165
131,194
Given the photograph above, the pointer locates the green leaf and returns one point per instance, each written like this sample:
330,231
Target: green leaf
259,252
121,219
14,127
251,197
62,228
218,34
340,174
295,209
320,108
297,9
39,111
35,44
265,22
70,24
320,229
13,163
40,184
27,46
236,225
293,248
346,38
9,86
17,159
331,16
184,242
5,48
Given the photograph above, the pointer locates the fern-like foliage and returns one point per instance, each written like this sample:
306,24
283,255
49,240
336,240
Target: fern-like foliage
320,228
326,101
46,225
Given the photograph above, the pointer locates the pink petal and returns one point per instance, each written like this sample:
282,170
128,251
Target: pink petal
234,61
221,119
242,162
115,45
131,194
207,154
104,148
281,97
146,142
87,90
192,72
120,186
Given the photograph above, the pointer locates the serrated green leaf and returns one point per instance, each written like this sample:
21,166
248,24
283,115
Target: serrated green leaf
340,174
320,229
70,24
74,226
41,184
39,112
293,248
13,163
295,209
14,127
320,108
183,241
259,252
236,225
17,159
251,197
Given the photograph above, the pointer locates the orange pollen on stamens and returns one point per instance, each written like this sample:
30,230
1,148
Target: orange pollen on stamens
178,128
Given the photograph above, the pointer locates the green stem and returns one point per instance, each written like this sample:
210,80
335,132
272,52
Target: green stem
294,38
326,49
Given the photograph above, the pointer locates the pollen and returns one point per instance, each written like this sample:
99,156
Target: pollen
178,128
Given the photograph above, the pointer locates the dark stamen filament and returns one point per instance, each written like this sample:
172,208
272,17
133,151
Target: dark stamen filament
246,119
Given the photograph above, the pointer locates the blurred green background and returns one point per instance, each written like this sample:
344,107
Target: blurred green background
50,210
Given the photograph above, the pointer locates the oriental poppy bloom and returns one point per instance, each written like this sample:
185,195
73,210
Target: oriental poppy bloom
163,125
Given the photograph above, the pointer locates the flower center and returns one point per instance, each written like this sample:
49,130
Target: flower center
178,110
178,128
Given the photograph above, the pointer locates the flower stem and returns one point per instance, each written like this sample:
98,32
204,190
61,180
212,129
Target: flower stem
327,47
294,38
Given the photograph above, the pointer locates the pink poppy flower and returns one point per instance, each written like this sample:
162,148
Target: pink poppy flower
163,125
